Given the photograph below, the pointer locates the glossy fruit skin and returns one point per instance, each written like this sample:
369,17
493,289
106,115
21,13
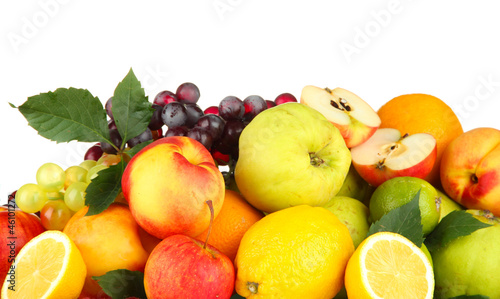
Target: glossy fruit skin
198,272
231,108
24,227
285,98
188,93
107,241
93,153
167,183
165,97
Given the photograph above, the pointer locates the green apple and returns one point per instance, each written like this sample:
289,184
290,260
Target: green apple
447,205
355,187
290,155
353,213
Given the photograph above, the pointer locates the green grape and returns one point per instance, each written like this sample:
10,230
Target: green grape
93,172
87,164
50,177
74,197
55,214
55,195
109,159
30,198
75,174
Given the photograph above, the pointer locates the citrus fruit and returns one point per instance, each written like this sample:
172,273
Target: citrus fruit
446,204
387,265
48,266
297,252
399,191
234,219
422,113
469,265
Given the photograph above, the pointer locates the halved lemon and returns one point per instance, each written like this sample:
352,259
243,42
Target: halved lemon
388,265
48,266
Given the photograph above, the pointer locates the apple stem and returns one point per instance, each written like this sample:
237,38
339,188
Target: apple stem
211,207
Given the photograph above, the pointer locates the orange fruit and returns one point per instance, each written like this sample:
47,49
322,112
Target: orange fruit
422,113
233,220
388,265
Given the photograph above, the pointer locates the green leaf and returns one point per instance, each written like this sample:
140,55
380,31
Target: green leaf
131,109
455,224
103,189
67,114
236,296
122,283
470,297
138,147
404,220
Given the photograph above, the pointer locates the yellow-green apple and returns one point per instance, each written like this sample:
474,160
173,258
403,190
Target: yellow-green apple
107,241
356,187
469,265
387,155
184,267
355,119
167,183
470,169
290,155
353,213
17,228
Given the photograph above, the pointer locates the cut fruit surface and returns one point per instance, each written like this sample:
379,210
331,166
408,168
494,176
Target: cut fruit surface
388,265
48,266
355,119
387,154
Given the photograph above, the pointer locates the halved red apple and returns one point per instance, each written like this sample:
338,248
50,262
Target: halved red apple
355,119
387,154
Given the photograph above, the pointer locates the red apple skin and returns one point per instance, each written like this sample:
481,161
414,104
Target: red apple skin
167,184
376,176
355,133
179,267
25,227
470,169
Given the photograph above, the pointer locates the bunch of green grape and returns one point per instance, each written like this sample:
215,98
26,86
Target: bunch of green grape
59,193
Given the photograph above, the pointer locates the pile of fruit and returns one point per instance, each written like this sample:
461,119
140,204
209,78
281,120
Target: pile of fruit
318,198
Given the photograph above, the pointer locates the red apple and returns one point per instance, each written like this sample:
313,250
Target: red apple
355,119
16,229
470,169
167,183
183,267
387,154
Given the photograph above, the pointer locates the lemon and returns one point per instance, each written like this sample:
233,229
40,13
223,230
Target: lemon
297,252
48,266
388,265
399,191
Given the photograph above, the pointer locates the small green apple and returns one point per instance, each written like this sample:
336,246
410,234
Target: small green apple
290,155
353,213
355,187
447,205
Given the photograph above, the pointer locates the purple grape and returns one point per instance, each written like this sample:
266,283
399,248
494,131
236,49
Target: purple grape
108,106
188,93
194,112
156,121
201,135
214,124
212,110
143,137
270,104
165,97
174,114
231,108
254,105
176,131
93,153
112,125
231,133
114,136
285,98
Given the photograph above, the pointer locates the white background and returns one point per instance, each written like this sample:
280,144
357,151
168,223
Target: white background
376,49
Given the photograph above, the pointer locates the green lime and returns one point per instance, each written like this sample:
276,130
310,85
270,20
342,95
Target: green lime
399,191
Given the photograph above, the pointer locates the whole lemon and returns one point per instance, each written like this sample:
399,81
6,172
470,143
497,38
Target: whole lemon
297,252
469,265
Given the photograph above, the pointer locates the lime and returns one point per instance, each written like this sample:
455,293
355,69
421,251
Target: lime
399,191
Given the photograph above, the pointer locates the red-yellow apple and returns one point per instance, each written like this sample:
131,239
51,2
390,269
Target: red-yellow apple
387,155
470,169
183,267
16,229
355,119
167,183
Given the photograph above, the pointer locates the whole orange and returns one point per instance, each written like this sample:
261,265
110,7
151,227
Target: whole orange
234,219
422,113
